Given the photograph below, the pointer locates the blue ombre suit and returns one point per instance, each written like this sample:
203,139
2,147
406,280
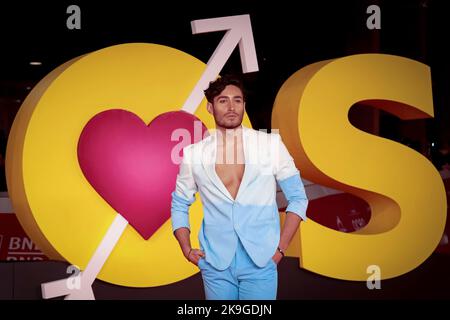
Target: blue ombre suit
251,221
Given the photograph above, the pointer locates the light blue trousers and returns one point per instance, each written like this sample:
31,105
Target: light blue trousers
242,280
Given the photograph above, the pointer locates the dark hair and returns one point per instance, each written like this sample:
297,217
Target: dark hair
217,86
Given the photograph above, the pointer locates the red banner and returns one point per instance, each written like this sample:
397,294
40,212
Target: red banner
15,245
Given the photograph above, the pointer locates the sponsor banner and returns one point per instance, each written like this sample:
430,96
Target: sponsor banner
15,245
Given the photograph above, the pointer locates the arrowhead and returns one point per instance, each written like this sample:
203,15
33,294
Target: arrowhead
238,27
239,31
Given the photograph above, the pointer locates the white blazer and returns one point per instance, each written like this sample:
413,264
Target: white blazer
253,216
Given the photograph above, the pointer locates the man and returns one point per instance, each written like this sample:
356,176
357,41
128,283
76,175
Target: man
235,170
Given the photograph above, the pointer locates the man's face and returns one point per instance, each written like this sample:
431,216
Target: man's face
228,108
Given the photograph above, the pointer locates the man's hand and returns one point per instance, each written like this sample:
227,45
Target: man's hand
194,255
191,254
277,257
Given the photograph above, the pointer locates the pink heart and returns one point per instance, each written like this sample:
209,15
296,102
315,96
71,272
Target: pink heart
130,164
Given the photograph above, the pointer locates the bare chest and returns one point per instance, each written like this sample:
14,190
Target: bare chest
230,170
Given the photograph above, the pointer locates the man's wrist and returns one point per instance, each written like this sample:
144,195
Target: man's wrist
187,251
281,251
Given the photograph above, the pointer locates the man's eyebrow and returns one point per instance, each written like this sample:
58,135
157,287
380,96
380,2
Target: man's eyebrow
219,97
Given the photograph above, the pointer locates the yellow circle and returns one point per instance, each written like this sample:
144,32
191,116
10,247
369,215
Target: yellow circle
54,202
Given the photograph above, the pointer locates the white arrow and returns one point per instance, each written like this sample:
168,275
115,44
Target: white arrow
84,290
239,31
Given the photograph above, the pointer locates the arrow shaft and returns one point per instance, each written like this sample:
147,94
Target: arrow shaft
215,64
105,248
60,288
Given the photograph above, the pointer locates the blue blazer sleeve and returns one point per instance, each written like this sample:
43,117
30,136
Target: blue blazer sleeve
288,177
184,194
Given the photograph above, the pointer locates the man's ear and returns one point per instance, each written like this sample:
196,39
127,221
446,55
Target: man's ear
209,107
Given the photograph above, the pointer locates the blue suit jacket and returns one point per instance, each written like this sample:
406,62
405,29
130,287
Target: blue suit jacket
253,215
